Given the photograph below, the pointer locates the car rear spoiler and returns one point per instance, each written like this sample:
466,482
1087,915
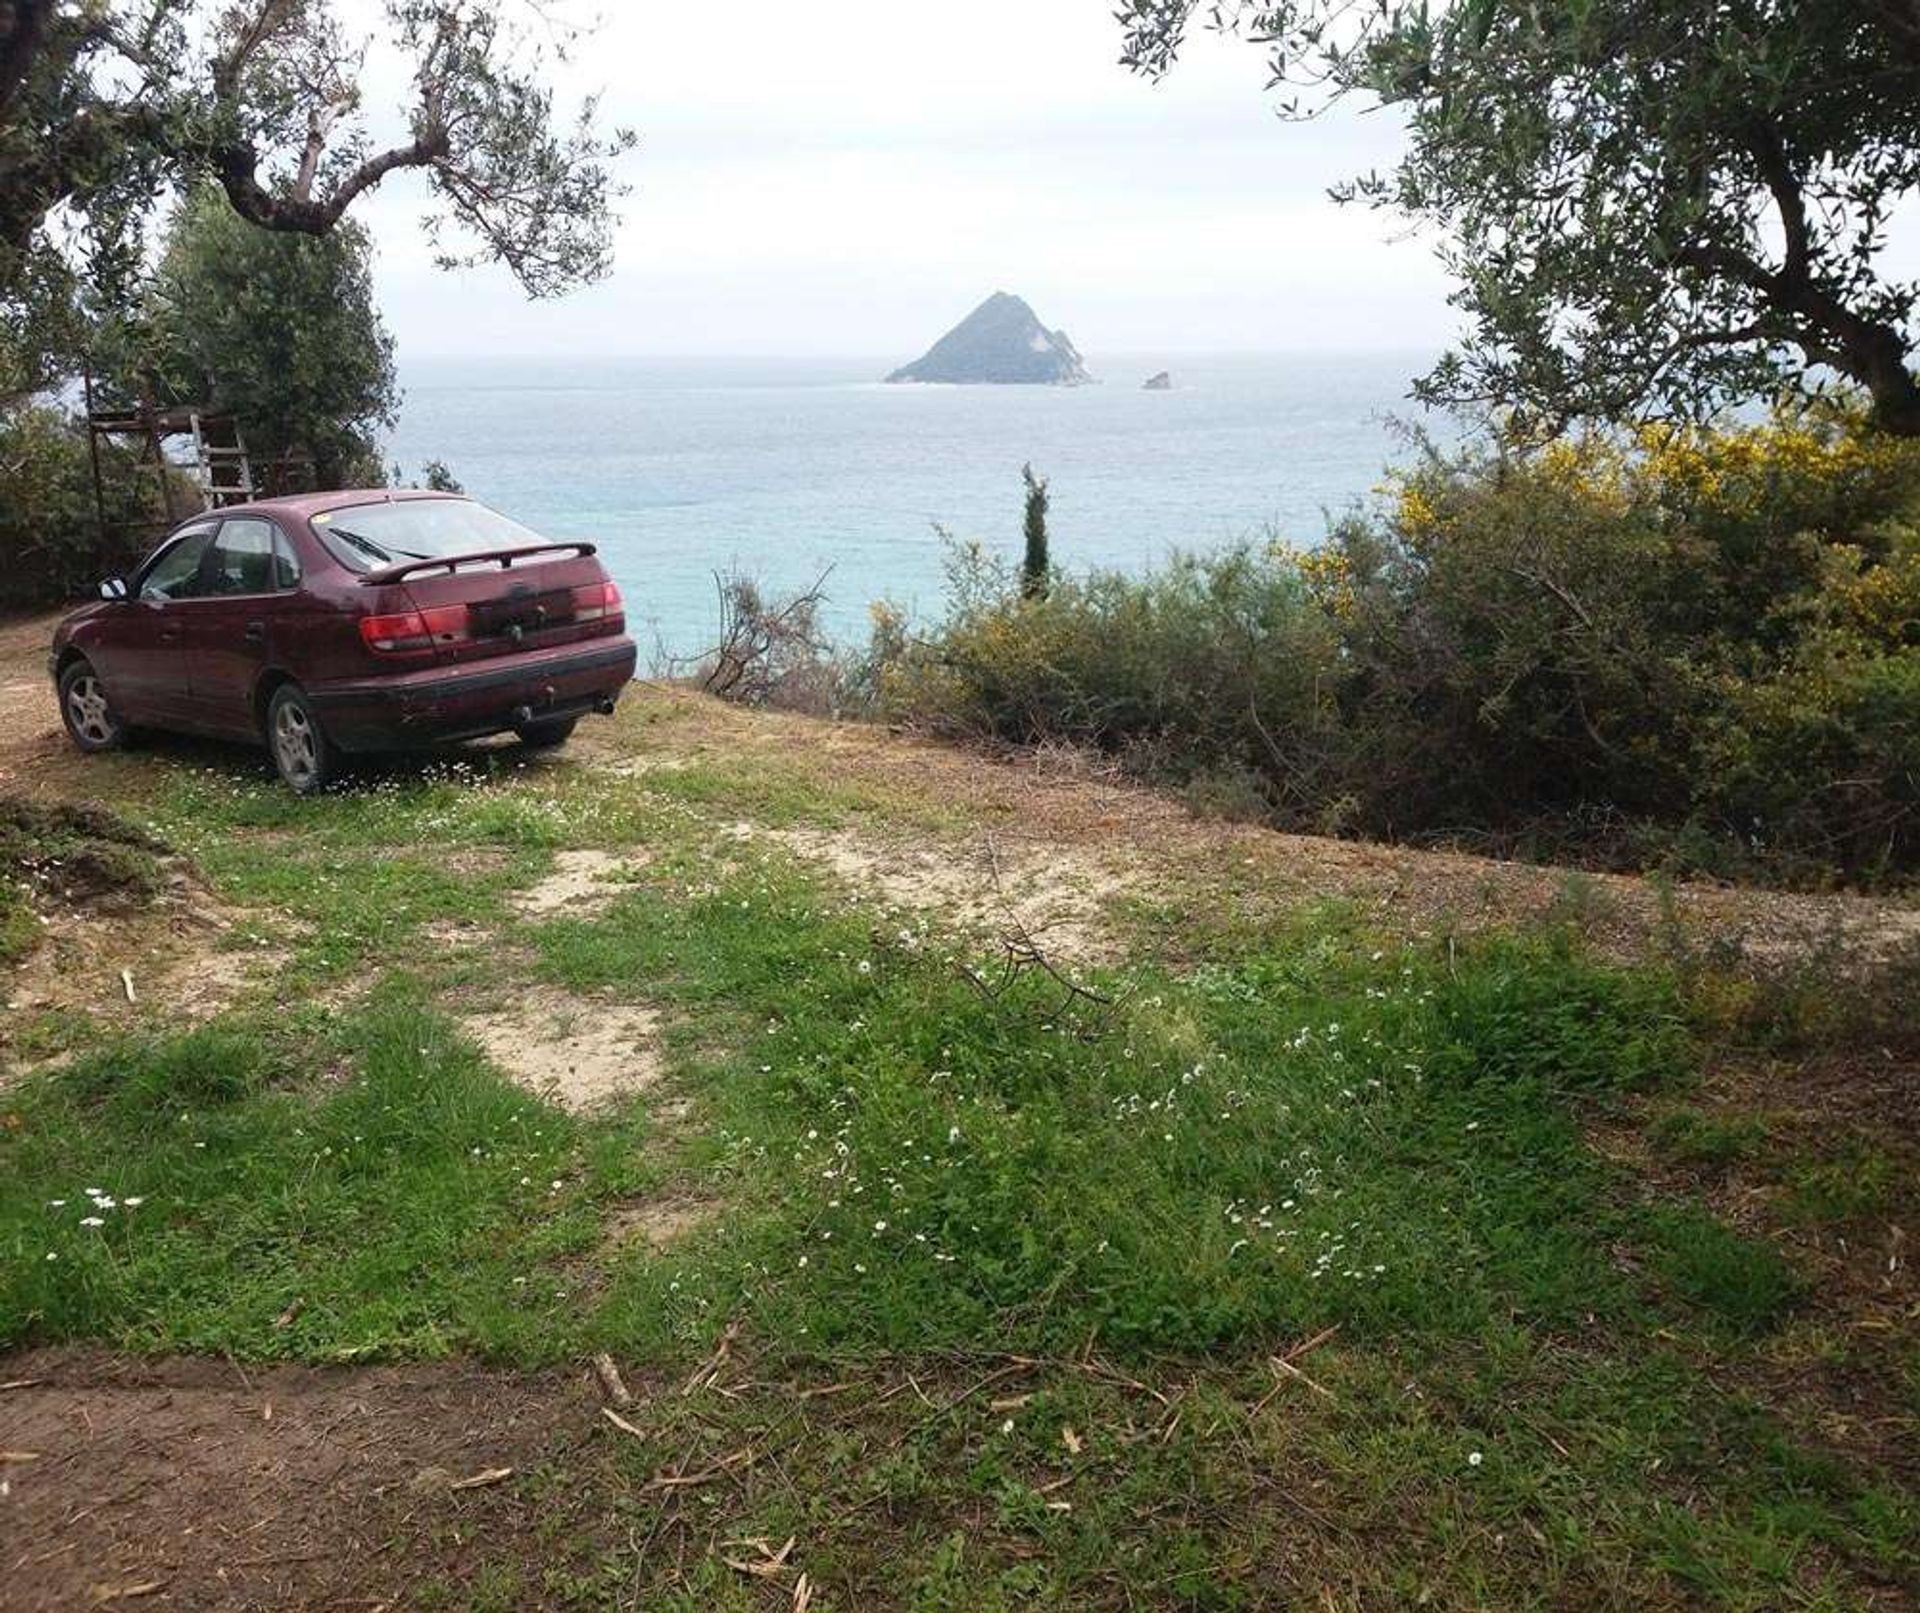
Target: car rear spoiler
503,558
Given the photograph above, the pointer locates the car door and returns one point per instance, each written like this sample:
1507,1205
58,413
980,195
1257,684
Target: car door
250,583
142,655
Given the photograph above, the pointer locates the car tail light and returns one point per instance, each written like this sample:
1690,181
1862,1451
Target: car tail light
594,601
414,629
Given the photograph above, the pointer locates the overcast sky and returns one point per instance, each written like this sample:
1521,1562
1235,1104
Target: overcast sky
852,176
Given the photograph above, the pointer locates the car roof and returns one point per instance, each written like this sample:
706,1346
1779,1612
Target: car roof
312,504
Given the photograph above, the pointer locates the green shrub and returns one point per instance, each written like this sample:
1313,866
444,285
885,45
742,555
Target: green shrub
1705,631
1694,648
50,527
1219,661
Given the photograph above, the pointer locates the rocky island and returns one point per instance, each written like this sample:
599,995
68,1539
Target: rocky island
1160,382
1002,342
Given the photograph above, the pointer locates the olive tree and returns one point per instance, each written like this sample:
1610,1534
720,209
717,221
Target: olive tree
278,328
1650,206
109,106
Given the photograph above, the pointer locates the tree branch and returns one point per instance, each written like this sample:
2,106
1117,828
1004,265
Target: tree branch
319,124
266,22
1776,172
237,166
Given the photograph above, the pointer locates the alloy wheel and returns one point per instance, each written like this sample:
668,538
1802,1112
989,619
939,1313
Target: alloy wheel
87,710
294,744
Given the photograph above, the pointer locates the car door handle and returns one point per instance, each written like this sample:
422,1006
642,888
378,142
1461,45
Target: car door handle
169,635
256,632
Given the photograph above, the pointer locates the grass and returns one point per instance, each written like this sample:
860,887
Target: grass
188,1193
1038,1250
1692,1137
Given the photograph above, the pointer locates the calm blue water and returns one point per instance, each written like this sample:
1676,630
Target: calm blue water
679,467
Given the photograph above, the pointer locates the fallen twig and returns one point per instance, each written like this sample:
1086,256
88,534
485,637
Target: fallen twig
611,1383
478,1481
126,1593
1307,1346
772,1564
1021,950
1096,1369
1293,1371
710,1369
1283,1364
620,1422
680,1481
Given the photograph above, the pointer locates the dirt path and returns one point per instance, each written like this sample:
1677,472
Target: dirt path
29,720
1055,841
1058,838
199,1484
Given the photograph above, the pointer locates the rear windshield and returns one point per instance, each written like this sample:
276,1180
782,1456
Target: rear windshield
364,537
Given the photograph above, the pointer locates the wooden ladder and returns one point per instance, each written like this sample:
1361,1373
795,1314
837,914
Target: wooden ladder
226,474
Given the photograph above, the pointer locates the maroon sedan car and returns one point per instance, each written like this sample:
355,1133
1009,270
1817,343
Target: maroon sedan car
342,622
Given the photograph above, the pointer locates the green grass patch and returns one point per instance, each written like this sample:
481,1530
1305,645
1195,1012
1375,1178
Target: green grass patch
307,1189
1742,1281
19,924
1531,1396
1696,1137
1325,1136
1857,1181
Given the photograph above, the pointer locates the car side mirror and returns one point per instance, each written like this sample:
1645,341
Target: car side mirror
114,588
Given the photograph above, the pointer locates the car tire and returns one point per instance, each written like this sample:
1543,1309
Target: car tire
305,758
92,723
546,735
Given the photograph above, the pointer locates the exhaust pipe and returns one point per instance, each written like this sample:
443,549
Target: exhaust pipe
604,706
522,715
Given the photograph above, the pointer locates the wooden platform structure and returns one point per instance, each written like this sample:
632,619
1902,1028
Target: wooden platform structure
219,464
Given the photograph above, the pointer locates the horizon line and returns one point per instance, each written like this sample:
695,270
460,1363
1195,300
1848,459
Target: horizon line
871,357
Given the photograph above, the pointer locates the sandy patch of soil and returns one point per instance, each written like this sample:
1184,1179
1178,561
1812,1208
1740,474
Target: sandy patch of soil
640,766
198,1484
446,935
983,888
581,882
27,709
174,966
36,757
575,1052
160,962
658,1222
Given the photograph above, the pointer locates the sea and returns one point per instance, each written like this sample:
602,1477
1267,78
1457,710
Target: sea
794,470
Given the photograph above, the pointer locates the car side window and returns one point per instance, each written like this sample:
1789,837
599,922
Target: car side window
249,557
286,569
175,571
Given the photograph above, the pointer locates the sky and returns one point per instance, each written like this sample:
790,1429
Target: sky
853,176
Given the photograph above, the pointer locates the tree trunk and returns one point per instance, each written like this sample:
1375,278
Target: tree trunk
1895,393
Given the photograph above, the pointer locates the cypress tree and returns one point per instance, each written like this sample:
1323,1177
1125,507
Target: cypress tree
1034,566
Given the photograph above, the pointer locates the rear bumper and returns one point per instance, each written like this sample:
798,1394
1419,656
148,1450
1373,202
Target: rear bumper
434,705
